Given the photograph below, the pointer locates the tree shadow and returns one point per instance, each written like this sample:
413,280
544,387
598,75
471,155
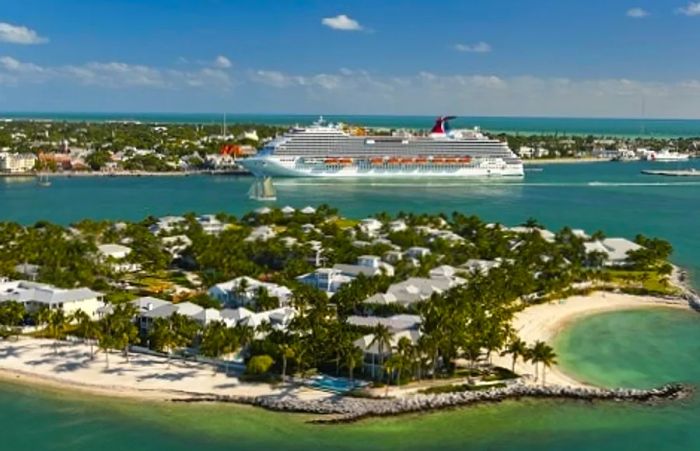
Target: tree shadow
172,376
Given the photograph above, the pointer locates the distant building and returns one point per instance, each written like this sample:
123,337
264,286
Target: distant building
211,224
115,255
14,163
616,250
369,265
167,224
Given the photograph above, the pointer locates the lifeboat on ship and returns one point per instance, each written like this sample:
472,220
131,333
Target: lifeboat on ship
393,161
421,160
345,161
331,161
406,160
377,160
438,160
465,160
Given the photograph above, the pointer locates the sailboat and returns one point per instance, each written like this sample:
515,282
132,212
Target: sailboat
263,189
43,180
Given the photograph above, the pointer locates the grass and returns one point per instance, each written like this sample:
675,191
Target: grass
649,282
345,223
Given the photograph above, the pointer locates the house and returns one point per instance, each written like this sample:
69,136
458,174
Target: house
417,252
328,280
415,289
35,296
187,309
287,210
235,316
395,323
546,235
263,211
211,224
397,226
308,228
261,233
278,319
27,270
616,250
392,256
480,266
176,244
369,265
308,210
371,349
115,256
166,224
370,226
244,290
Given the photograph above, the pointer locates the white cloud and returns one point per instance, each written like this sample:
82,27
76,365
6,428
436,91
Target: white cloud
222,62
692,9
479,47
113,74
17,34
341,22
637,13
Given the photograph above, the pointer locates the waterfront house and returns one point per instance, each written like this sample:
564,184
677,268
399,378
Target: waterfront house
328,280
187,309
17,163
371,349
244,291
35,296
616,250
395,323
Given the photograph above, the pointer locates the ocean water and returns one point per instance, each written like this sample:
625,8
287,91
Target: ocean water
640,348
661,344
525,125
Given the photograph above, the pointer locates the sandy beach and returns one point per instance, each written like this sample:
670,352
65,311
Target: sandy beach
34,361
543,322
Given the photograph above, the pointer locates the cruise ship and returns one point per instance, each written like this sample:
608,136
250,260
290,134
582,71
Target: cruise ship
327,150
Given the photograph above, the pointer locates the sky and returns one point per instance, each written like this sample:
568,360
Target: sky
594,58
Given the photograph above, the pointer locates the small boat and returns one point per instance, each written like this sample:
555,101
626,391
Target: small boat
263,190
43,180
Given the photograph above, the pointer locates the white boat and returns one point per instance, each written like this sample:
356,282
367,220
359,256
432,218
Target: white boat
666,155
263,189
43,180
327,150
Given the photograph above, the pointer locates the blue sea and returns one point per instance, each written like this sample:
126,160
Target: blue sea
660,128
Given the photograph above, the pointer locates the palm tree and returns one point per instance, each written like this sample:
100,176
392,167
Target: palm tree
56,326
87,328
287,351
162,336
544,354
217,341
353,356
516,348
381,337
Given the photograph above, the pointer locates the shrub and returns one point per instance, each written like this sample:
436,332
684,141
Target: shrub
260,364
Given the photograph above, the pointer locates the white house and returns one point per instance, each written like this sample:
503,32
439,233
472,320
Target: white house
176,244
480,266
287,210
167,224
397,226
115,255
616,250
34,296
417,252
308,210
369,265
371,348
416,289
395,323
210,224
328,280
244,290
14,163
261,233
370,226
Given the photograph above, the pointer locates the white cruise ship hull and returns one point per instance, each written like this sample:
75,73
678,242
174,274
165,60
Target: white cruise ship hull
272,166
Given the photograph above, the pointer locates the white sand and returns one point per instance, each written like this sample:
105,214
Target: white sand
543,322
33,361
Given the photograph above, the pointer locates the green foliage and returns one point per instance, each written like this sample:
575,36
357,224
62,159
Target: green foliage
259,364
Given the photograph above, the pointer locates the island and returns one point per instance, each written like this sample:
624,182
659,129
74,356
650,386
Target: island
305,310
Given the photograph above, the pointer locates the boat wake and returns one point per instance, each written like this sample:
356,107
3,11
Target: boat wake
643,184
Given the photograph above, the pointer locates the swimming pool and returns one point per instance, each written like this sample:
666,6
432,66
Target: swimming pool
334,384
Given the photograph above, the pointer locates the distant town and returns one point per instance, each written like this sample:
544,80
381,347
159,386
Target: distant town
28,147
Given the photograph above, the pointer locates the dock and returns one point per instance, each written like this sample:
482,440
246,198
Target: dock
673,173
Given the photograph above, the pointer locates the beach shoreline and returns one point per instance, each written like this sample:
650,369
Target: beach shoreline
148,378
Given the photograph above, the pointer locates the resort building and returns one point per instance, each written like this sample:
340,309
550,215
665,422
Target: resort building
244,291
328,280
16,163
147,317
370,226
308,210
35,296
176,244
416,289
261,233
417,252
397,226
480,266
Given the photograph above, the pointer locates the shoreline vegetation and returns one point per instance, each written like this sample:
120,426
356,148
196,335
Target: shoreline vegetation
462,314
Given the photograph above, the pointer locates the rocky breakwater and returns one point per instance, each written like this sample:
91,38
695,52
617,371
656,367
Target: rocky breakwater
346,409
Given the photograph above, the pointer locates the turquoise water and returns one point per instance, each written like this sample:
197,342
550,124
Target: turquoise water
640,348
547,125
614,197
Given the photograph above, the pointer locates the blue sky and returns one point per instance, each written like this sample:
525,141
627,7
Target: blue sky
497,57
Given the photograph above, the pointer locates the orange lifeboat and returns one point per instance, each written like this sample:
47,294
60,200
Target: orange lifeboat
465,160
393,160
331,160
406,160
450,160
421,160
438,160
377,160
345,161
